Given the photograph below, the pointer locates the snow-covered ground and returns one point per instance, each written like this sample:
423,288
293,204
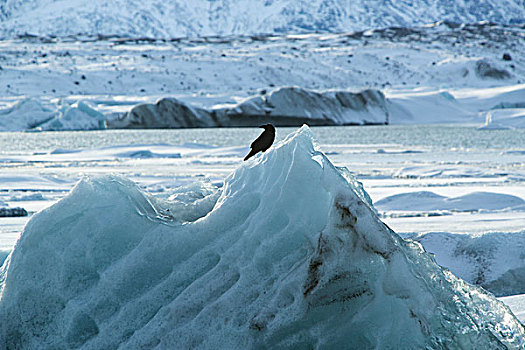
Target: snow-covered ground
436,74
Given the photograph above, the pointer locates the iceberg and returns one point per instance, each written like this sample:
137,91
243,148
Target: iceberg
294,106
285,106
426,201
289,253
35,115
78,116
25,114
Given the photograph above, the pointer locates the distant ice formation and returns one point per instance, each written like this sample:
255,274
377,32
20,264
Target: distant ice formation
12,212
289,254
32,114
288,106
78,116
24,114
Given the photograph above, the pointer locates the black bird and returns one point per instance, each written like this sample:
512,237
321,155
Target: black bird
263,142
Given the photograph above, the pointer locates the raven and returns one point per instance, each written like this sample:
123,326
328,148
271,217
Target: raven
263,142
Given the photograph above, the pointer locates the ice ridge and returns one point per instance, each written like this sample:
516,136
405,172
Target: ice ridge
286,255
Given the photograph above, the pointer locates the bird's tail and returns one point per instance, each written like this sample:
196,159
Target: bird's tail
251,154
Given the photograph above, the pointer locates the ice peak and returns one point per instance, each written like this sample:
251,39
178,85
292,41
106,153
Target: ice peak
290,256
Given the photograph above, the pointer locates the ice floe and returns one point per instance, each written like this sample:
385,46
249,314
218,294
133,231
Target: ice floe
7,211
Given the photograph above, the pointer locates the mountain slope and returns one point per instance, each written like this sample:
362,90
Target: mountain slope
154,18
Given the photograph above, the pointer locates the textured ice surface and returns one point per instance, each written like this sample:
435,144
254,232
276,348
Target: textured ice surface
287,106
517,305
31,113
79,116
287,256
23,115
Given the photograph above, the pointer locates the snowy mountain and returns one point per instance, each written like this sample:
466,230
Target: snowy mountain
153,18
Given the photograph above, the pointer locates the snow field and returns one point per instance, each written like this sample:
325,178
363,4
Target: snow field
428,77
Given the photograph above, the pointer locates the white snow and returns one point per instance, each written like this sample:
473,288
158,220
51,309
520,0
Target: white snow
430,201
493,260
245,266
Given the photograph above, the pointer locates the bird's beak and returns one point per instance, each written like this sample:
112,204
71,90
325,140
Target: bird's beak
262,126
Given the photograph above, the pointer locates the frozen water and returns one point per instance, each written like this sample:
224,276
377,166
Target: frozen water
493,260
6,211
28,197
429,201
517,305
287,106
3,255
428,107
285,255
